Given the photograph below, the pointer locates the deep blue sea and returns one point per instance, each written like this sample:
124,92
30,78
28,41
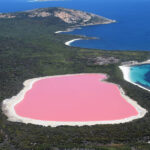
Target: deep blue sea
131,32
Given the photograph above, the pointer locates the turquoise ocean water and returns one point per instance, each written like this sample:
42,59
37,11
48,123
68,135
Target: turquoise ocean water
140,74
131,32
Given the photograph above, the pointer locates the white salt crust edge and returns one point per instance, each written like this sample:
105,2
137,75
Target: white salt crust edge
9,111
126,72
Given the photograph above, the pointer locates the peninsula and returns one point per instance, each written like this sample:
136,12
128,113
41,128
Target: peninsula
63,15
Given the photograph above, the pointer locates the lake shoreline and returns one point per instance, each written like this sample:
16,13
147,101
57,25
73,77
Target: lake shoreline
9,104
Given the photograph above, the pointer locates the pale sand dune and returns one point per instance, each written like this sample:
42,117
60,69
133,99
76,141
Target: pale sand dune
10,104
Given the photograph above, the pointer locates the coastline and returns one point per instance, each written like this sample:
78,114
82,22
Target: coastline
9,104
126,72
68,30
72,28
68,43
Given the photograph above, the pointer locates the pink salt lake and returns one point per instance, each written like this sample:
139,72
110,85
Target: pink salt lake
73,98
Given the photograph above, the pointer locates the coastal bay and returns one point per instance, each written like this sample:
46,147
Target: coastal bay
137,73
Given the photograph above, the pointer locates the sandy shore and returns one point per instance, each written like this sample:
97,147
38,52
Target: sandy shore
69,29
57,32
126,72
9,104
68,43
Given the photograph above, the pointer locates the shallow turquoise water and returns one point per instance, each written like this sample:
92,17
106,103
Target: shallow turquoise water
141,75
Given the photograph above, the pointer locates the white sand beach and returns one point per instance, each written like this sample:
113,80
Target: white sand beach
9,104
68,30
68,43
57,32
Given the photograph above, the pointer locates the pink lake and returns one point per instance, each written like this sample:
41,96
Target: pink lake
82,97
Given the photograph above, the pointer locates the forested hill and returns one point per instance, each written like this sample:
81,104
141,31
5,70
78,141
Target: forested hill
67,16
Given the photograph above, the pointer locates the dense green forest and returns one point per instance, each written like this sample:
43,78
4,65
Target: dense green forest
29,48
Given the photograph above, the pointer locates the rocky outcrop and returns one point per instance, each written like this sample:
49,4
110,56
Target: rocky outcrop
6,16
103,60
69,16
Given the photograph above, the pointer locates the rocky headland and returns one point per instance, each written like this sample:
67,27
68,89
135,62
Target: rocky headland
67,16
